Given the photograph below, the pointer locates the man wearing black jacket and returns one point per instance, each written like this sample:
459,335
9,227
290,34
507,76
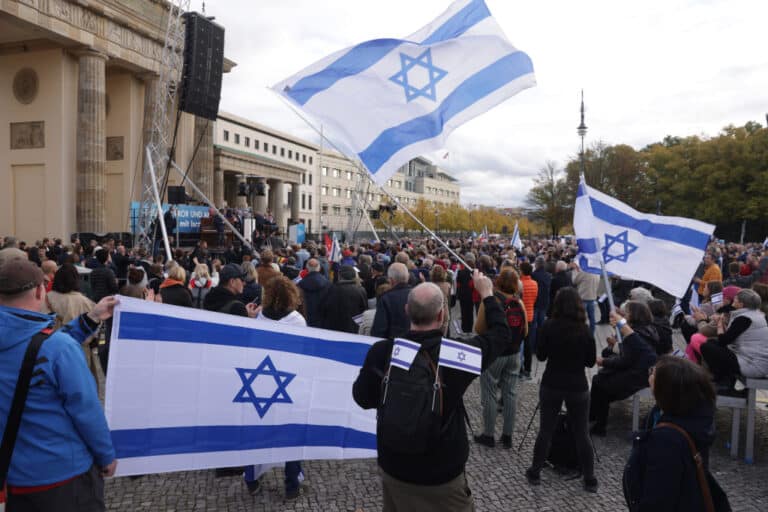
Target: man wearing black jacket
433,480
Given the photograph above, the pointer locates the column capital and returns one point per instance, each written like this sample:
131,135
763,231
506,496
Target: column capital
89,52
147,76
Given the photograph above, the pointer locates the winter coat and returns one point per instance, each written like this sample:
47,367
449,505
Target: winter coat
344,300
224,301
313,288
391,320
175,293
199,288
103,282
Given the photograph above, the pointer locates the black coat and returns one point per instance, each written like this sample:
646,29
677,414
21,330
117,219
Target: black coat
103,282
559,280
391,320
628,372
344,300
544,280
313,287
224,301
177,295
251,292
446,460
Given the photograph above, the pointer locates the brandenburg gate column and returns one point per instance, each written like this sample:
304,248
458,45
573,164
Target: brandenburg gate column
91,143
260,202
202,173
295,202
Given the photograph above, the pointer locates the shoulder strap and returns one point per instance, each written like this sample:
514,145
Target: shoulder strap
19,400
709,505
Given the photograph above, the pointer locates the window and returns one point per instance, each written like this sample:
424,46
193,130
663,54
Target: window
290,154
337,210
310,203
304,159
297,156
282,151
247,142
310,160
348,211
336,191
324,171
310,182
336,173
303,201
226,135
255,144
323,209
237,138
349,175
266,147
304,179
274,149
349,194
324,190
389,183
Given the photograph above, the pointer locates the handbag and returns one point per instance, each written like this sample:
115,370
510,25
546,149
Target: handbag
17,405
715,499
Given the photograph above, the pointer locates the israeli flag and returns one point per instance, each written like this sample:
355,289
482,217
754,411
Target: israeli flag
664,251
190,389
460,356
516,242
389,100
717,299
403,353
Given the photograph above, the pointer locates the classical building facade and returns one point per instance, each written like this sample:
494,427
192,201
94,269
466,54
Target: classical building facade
77,82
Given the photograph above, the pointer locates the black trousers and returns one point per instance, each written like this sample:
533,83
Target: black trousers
467,314
83,494
607,388
721,361
528,350
577,404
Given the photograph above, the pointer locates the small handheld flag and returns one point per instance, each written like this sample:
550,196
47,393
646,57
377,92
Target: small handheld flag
403,353
460,356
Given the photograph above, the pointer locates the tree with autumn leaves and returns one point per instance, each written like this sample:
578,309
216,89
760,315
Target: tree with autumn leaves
722,180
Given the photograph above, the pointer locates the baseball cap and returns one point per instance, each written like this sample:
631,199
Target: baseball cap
231,271
19,275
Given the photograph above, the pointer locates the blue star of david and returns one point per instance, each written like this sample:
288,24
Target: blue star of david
461,356
622,240
396,352
424,60
262,404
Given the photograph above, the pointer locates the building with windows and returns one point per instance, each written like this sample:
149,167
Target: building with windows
281,166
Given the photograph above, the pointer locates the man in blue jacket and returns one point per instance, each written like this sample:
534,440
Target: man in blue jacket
63,449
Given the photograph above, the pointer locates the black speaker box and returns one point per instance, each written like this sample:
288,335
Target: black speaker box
177,195
200,91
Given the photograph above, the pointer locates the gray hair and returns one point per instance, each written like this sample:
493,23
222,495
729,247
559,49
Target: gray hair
560,266
749,298
313,265
398,273
424,303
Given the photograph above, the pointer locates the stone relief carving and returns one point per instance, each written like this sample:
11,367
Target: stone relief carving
25,86
115,148
29,135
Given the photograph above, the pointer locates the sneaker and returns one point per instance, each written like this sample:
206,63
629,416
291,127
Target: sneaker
506,441
254,487
294,494
598,430
732,392
485,440
533,477
590,484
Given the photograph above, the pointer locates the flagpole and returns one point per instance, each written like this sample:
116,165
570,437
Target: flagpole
381,188
582,131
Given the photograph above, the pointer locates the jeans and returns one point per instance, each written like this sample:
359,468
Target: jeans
84,493
577,404
292,471
504,371
589,305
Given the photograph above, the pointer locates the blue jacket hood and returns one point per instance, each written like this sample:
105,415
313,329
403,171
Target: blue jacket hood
19,325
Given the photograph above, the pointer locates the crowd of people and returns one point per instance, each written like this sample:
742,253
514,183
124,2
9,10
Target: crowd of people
518,305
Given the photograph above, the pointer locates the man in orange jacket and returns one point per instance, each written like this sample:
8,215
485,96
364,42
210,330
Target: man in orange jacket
530,292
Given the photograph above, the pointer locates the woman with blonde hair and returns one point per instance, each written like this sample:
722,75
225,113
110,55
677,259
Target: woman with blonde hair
173,290
504,371
252,288
200,283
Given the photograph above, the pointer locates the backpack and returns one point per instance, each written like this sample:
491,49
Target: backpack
515,314
411,410
562,451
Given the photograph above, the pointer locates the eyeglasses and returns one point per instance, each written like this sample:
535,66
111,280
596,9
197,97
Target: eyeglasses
651,370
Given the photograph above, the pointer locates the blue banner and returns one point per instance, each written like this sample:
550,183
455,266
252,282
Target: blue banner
187,216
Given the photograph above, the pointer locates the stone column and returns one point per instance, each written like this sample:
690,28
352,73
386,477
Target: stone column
276,193
151,90
91,143
260,202
218,188
295,202
202,173
241,201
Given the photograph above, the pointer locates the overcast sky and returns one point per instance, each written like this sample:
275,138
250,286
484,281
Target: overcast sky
648,69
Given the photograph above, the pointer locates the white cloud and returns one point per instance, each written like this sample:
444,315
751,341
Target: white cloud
651,69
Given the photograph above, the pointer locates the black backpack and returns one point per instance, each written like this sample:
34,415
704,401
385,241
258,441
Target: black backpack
411,410
515,314
562,451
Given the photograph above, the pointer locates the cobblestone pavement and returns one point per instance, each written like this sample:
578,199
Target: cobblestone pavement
495,475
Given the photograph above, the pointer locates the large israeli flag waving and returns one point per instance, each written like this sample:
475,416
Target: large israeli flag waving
388,100
190,389
663,251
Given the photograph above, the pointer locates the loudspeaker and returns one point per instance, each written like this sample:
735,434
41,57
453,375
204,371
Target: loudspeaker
177,195
261,189
200,91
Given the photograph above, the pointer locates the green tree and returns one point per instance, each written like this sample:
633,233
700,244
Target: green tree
548,198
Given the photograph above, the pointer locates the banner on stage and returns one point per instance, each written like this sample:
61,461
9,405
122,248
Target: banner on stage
190,389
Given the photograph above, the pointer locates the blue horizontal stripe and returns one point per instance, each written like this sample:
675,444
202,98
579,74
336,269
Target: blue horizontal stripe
149,442
669,232
460,366
587,245
428,126
408,344
148,327
364,55
460,346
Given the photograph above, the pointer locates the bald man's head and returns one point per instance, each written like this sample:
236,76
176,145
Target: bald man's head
425,302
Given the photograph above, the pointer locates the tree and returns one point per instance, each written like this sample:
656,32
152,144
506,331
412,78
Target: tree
548,198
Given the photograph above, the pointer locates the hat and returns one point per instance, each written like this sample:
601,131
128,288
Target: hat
346,253
19,275
729,292
231,271
347,273
378,267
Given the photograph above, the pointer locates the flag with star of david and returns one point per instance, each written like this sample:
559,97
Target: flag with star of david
386,101
190,389
663,251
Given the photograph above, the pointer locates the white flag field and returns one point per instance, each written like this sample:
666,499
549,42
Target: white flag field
663,251
386,101
190,389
